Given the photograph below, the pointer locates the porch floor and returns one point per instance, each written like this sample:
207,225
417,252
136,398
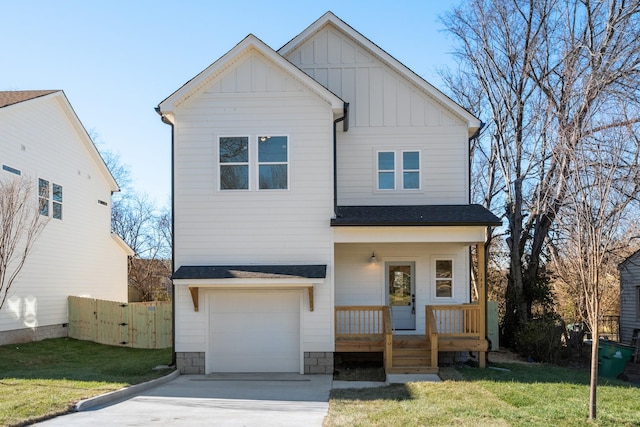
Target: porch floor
411,354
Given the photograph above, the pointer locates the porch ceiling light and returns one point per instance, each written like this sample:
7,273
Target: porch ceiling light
373,258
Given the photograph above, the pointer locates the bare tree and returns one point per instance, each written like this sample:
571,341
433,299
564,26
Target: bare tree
496,43
20,226
550,73
146,229
602,189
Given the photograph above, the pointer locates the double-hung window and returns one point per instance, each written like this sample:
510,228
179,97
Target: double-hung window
234,163
50,198
398,170
386,170
273,163
253,163
444,278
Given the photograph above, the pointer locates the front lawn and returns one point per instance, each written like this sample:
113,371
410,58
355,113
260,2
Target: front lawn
525,395
44,378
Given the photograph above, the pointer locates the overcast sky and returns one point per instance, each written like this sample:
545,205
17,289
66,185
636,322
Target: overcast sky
117,60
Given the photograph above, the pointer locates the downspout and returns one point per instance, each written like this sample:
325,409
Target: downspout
345,127
173,258
469,165
485,261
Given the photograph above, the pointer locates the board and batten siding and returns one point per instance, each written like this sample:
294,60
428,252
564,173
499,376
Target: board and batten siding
359,282
214,227
629,284
73,256
387,112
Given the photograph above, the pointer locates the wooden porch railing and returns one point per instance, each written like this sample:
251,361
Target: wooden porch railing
431,329
461,320
447,328
370,321
359,321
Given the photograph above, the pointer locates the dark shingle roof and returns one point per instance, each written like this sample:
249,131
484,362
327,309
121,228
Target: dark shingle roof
251,272
14,96
421,215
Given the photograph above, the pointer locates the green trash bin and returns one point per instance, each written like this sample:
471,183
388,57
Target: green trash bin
612,358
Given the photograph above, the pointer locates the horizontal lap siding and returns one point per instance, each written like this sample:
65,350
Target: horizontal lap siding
251,227
358,282
629,281
73,256
387,111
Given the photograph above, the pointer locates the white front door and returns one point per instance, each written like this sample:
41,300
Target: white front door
401,293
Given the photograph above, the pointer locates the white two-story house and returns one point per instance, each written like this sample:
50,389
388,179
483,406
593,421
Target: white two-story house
43,143
321,204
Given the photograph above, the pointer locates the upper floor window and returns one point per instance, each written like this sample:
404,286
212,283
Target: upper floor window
50,198
261,163
273,163
402,167
234,163
11,170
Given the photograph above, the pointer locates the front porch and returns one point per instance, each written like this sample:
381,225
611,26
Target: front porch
449,328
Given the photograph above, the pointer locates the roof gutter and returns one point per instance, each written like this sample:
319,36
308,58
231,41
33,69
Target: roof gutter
345,127
173,258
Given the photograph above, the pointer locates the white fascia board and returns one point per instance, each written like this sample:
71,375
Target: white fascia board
168,106
417,234
472,121
123,245
83,135
250,283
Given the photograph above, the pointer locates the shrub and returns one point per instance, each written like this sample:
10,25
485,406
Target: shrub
541,340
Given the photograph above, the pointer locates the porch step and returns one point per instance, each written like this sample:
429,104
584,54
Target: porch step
411,355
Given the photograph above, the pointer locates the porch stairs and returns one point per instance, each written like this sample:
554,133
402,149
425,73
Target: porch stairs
411,354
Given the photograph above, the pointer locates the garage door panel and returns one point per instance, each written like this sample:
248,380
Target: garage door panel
254,331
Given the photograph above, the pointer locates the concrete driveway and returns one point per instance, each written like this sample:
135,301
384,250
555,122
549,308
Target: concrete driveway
216,400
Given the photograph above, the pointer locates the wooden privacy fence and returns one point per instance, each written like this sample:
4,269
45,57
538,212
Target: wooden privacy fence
137,325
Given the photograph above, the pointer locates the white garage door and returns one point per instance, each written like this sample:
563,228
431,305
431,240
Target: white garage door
254,331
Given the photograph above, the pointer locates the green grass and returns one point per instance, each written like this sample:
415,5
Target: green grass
539,395
46,378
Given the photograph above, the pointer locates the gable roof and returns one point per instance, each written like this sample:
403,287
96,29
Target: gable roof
330,19
251,42
16,96
421,215
11,98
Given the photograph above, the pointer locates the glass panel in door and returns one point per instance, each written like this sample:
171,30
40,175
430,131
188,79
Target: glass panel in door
400,283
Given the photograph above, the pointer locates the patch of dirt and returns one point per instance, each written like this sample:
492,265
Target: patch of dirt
358,367
359,371
504,355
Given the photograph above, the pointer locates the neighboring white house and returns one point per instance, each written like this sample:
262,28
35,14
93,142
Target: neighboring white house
314,187
629,297
43,141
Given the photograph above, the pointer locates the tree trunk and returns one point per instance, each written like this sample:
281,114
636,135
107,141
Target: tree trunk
593,385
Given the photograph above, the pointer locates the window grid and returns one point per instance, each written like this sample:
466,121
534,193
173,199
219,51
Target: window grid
253,163
411,170
386,170
50,198
444,278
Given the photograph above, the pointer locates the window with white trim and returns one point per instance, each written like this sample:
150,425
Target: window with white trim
234,162
273,163
410,170
386,170
253,163
50,198
444,278
398,166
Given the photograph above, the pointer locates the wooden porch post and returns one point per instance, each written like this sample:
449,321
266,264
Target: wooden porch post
482,300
